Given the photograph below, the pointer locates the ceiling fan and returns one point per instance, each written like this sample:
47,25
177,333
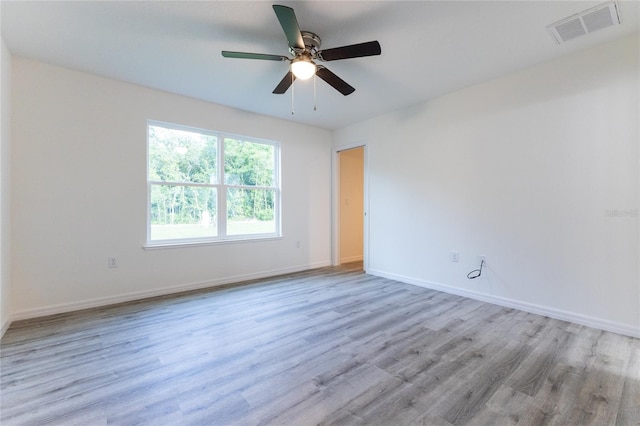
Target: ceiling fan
304,46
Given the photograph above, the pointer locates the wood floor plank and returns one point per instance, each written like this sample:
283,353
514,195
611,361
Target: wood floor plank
477,391
628,411
544,358
331,346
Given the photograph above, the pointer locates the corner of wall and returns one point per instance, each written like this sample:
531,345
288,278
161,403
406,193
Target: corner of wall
538,178
5,188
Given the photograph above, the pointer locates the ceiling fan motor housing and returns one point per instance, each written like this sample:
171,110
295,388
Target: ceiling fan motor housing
311,43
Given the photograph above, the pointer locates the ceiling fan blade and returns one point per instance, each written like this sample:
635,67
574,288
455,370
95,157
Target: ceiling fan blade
284,84
289,23
370,48
245,55
334,81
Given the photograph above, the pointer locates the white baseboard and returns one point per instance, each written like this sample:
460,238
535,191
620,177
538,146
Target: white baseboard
501,301
5,327
137,295
573,317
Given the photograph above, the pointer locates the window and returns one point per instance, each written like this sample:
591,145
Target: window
208,186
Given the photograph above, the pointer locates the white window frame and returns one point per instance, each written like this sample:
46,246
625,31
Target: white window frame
221,191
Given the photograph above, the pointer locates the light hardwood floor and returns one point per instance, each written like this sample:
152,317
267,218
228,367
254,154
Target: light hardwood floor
329,346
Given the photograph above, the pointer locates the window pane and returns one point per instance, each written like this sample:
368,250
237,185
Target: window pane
179,211
181,156
250,211
248,163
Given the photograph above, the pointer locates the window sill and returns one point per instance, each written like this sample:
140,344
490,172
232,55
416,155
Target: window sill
179,244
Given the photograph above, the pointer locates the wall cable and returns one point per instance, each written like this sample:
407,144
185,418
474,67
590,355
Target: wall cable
476,272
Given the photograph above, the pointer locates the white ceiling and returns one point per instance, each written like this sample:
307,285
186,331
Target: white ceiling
428,47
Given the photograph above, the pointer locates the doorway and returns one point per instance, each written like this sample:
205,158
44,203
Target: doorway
349,202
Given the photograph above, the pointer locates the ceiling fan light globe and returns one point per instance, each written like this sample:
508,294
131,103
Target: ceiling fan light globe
303,69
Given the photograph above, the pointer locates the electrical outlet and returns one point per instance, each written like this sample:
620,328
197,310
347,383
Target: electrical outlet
454,256
482,258
112,262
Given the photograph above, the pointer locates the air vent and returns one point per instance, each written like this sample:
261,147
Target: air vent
585,22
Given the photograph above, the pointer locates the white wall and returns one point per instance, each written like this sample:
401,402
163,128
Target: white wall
79,193
351,204
537,170
5,188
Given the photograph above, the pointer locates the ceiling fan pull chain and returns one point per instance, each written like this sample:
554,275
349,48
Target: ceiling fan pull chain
314,92
293,90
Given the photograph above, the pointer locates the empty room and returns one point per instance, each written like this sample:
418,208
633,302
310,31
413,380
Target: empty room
320,212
